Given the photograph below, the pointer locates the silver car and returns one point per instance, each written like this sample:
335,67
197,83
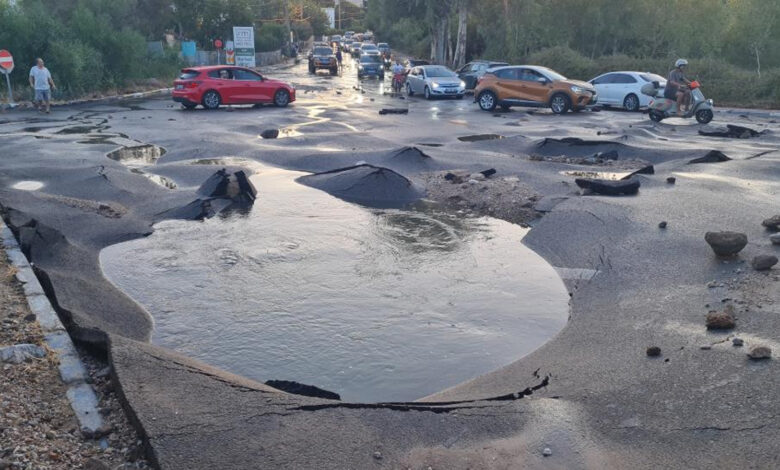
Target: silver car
434,81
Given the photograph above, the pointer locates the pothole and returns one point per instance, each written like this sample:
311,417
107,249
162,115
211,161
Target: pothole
140,155
157,179
597,175
28,185
480,137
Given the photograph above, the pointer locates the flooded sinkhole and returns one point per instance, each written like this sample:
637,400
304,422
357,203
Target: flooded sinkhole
376,305
140,155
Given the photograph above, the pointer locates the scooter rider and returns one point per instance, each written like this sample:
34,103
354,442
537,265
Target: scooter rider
677,86
399,72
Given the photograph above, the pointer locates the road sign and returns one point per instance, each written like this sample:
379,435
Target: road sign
218,43
6,67
6,62
244,45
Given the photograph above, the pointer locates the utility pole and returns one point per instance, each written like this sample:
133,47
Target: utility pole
286,7
338,5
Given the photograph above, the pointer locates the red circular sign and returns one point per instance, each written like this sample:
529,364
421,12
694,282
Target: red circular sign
218,43
6,61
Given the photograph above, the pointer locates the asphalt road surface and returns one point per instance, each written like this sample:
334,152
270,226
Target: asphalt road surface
591,395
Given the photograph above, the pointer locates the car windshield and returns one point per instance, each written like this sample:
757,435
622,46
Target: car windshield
323,51
651,77
439,72
369,59
552,74
369,47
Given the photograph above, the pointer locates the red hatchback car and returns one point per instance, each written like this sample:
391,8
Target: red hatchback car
227,84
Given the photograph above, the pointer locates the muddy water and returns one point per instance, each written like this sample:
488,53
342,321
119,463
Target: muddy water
373,305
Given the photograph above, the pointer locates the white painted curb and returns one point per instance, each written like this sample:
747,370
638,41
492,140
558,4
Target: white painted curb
72,371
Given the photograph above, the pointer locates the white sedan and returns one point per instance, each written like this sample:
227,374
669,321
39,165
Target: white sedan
434,81
623,89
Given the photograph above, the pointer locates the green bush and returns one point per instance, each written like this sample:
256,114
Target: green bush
270,37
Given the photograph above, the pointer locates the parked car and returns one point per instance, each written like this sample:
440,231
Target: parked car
226,84
530,85
370,65
323,58
411,63
624,89
472,71
434,81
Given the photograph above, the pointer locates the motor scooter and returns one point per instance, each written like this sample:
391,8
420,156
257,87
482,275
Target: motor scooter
399,79
661,108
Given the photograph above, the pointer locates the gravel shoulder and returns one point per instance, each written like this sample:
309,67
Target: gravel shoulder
38,429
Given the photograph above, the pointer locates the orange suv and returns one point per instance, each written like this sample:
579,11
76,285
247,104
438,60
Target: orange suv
529,85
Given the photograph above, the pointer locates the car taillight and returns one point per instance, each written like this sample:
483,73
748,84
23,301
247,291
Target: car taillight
192,84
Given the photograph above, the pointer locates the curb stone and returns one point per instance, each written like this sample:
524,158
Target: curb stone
80,394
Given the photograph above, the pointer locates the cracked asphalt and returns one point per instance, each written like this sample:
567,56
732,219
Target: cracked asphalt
590,395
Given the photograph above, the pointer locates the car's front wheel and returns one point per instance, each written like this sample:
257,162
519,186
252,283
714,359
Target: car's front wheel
487,100
211,100
281,98
560,103
631,103
427,93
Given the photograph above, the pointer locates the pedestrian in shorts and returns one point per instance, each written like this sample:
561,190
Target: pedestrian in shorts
41,82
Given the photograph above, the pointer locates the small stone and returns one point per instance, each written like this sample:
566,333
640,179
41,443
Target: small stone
547,452
653,351
104,372
477,176
726,243
662,224
473,181
737,342
721,320
775,238
95,464
763,262
378,455
51,435
705,347
760,352
29,318
270,134
671,180
772,223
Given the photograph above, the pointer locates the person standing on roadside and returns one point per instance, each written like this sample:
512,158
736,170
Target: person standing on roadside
41,82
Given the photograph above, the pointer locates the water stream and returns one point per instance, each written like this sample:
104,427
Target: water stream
376,305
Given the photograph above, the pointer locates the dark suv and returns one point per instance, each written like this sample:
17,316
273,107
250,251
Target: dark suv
323,57
473,71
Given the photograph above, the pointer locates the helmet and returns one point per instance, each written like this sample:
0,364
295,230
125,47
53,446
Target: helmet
680,62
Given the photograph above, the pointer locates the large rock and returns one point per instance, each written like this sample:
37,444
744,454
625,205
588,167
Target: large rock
21,353
721,320
366,184
760,352
772,223
609,187
763,262
726,243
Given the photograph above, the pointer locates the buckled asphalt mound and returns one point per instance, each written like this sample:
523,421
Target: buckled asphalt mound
365,184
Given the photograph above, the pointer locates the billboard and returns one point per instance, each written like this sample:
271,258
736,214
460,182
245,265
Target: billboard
244,45
331,14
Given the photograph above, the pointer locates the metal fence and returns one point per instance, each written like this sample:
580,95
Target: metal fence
211,58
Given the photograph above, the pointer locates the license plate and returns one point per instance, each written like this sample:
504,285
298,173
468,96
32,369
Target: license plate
179,87
450,91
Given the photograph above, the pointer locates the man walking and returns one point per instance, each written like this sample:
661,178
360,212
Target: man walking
41,82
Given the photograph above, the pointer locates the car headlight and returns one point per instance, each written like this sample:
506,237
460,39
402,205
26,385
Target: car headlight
576,89
360,67
435,85
462,84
